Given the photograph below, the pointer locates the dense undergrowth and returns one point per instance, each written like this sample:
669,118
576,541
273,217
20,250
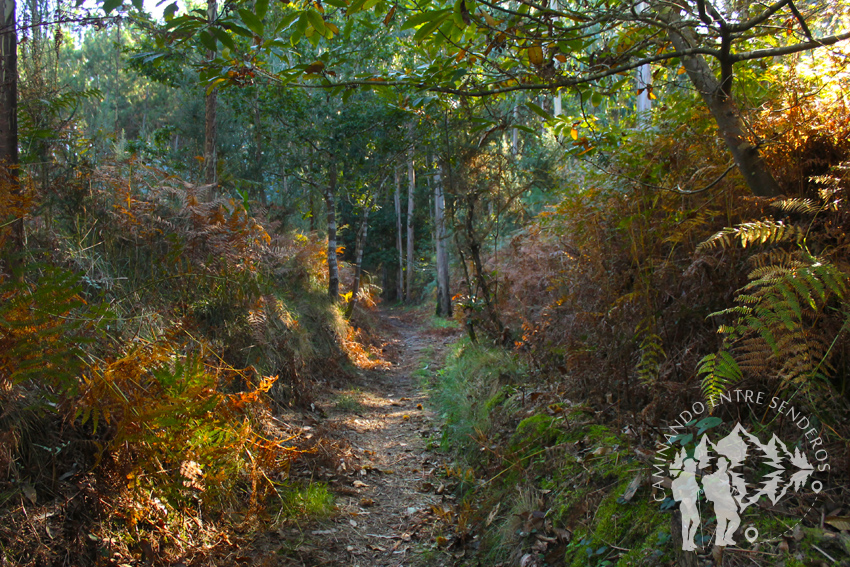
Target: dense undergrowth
142,354
645,289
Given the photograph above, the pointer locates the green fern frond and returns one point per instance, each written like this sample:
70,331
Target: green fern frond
757,232
651,354
769,273
719,371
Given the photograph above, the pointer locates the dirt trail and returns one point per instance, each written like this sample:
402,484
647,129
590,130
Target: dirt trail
389,483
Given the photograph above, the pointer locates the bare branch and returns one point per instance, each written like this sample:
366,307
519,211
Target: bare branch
800,19
789,49
707,187
753,22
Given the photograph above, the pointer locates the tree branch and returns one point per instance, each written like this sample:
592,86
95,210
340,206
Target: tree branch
753,22
800,19
563,82
789,49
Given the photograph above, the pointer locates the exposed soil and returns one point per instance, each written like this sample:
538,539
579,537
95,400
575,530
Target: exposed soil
392,504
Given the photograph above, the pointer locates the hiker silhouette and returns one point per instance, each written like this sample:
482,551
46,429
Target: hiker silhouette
718,490
686,491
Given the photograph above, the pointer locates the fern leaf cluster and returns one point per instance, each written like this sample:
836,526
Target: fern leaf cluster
757,232
776,328
651,355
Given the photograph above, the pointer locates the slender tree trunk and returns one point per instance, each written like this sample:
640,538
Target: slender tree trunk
515,134
729,121
209,116
116,87
361,244
358,254
258,148
399,243
411,188
9,125
480,278
333,265
312,211
643,80
444,299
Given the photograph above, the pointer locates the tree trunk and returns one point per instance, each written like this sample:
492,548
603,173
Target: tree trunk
312,211
209,116
729,121
411,188
515,134
399,243
116,123
333,265
9,127
643,79
9,93
480,278
444,299
361,242
258,148
358,254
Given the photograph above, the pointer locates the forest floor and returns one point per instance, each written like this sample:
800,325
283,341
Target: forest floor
377,457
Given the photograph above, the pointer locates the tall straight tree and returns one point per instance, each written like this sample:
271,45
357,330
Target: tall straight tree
444,300
9,120
411,189
258,148
330,204
399,239
360,243
209,113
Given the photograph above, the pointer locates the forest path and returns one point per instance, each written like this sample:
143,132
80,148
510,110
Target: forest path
387,484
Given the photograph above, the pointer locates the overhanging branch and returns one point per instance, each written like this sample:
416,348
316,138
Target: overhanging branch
789,49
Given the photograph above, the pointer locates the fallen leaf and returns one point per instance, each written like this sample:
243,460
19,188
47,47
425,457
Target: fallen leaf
633,487
841,523
442,541
367,502
29,492
359,484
